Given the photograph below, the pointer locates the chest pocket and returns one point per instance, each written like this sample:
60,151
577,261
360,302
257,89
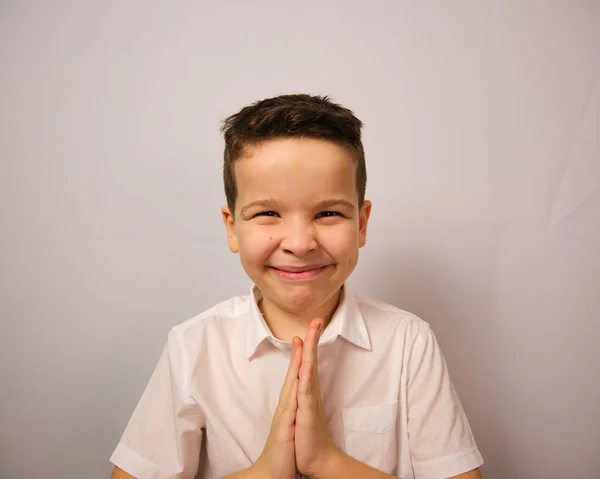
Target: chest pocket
370,435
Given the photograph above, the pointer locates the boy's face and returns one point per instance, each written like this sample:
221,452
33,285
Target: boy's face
297,226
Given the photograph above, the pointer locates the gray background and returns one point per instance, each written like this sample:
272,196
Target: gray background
482,124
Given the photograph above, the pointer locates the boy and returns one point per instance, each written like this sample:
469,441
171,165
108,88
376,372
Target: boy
366,393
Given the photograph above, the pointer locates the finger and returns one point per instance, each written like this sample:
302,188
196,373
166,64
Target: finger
290,407
305,385
320,327
311,341
311,354
306,398
307,374
293,366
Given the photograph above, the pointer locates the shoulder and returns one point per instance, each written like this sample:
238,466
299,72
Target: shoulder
379,315
223,318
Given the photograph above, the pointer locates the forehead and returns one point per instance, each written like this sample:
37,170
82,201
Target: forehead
295,167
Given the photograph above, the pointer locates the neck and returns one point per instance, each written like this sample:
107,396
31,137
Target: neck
289,323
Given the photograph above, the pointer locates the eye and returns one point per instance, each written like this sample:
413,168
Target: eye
328,214
265,213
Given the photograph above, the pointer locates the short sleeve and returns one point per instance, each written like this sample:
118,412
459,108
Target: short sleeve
164,435
440,440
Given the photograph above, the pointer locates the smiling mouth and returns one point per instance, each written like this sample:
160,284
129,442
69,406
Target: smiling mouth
302,273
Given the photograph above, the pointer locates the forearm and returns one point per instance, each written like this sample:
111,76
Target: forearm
343,466
244,474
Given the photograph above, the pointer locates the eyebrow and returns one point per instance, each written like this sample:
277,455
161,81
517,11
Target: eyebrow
335,202
270,203
267,202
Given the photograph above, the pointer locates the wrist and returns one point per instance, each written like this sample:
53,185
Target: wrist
255,472
333,467
259,470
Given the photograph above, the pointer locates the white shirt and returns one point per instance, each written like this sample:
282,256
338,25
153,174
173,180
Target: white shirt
386,391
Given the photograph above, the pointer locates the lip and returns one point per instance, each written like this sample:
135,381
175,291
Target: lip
299,273
299,269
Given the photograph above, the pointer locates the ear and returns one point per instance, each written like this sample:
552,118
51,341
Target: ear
232,239
363,220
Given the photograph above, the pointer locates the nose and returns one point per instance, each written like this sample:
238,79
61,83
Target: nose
299,238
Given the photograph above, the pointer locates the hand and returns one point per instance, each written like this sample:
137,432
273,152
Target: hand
314,446
277,460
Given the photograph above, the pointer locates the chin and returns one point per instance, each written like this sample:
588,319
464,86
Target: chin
301,298
294,297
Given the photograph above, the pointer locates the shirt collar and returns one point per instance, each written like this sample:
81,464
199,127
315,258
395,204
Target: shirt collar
347,322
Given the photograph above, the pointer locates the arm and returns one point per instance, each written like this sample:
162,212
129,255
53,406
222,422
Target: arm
319,458
164,435
346,467
245,474
120,474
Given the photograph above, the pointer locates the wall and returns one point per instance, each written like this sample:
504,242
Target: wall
481,133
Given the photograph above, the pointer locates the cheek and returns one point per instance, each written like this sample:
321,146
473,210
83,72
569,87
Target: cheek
342,243
256,245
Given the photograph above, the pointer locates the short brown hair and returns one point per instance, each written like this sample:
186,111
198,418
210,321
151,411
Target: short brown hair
291,116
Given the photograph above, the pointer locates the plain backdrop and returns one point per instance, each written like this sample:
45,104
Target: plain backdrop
482,125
